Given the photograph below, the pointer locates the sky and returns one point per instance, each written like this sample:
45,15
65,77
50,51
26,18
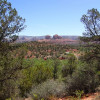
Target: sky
49,17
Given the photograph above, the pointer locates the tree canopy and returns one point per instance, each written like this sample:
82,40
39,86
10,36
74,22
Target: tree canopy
10,64
91,20
10,22
92,35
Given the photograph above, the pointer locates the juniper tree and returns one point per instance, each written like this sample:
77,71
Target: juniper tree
10,25
10,22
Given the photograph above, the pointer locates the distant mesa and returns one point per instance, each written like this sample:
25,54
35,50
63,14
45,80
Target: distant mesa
23,38
47,37
56,36
51,39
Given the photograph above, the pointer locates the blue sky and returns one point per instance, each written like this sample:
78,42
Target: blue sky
49,17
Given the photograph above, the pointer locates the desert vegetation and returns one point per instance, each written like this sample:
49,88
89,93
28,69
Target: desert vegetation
42,70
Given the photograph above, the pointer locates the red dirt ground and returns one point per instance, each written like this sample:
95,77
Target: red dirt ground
91,96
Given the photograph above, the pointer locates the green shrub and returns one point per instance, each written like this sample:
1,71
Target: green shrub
38,73
56,64
84,78
48,88
79,94
10,69
69,67
41,73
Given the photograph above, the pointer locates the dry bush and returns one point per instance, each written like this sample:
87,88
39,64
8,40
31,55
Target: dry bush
47,89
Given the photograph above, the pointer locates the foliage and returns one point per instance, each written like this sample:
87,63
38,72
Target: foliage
92,45
55,68
11,60
92,24
47,75
92,35
70,66
48,88
10,22
39,72
79,94
84,78
46,50
10,69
